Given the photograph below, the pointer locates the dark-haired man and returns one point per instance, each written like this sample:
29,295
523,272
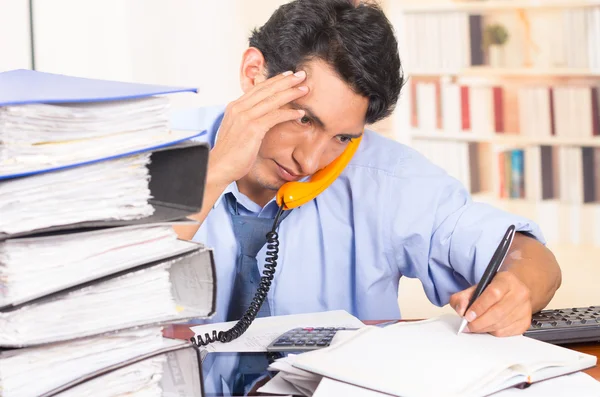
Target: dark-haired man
312,77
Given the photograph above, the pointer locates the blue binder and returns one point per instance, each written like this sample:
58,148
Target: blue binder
20,87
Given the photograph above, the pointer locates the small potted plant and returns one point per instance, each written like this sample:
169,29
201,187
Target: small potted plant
494,38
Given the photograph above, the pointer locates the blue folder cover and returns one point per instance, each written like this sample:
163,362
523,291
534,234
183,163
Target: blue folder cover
19,87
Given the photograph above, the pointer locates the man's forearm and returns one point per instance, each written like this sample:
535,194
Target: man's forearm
536,267
215,185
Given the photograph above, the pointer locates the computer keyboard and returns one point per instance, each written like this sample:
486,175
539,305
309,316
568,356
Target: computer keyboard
564,326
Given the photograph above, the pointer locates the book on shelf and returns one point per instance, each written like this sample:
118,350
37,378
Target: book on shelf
92,182
519,96
455,40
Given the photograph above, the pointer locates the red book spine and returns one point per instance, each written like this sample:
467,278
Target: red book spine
414,121
465,108
498,109
438,105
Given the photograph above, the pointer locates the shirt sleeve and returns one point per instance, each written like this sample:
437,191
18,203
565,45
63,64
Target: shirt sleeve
457,240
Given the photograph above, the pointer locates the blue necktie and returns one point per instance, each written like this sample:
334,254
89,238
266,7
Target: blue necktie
250,233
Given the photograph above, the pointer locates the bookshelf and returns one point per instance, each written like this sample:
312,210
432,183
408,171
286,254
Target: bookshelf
491,72
506,139
497,5
517,122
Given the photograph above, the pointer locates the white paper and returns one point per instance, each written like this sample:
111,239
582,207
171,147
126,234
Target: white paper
412,359
39,136
292,380
578,384
58,364
140,297
279,386
116,189
141,379
34,267
265,329
331,387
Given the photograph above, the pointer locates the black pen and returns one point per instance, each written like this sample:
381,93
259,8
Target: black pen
491,270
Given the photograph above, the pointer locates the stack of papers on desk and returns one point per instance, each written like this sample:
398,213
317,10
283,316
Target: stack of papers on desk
58,364
428,358
116,189
92,181
36,266
139,362
171,290
49,121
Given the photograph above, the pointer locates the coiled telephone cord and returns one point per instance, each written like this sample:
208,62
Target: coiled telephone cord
261,294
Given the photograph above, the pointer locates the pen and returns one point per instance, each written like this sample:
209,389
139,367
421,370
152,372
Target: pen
491,270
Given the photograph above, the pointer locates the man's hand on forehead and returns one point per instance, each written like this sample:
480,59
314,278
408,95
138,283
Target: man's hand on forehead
247,120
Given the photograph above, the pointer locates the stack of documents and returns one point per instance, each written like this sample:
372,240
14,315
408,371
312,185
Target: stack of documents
44,135
116,189
429,358
131,360
61,363
48,121
167,291
31,267
90,266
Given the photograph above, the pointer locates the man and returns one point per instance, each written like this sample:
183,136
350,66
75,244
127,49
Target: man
312,77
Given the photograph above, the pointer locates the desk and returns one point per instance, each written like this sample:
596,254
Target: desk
179,331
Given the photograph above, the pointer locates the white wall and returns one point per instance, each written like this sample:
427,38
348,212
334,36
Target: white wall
15,51
176,42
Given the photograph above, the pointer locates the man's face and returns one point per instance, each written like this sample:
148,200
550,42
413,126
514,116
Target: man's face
292,150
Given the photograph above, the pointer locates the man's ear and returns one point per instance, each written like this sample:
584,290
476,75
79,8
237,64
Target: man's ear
253,69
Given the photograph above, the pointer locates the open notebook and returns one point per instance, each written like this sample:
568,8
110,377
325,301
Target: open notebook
428,358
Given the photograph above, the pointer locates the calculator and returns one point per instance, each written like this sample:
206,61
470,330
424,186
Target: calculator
305,339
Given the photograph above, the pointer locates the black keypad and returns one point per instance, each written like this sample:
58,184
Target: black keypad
563,326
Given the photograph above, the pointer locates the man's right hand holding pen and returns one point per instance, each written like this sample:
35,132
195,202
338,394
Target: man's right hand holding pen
503,302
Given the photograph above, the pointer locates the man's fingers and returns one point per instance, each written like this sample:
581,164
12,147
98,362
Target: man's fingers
492,294
276,101
278,116
266,93
515,328
498,316
460,300
264,84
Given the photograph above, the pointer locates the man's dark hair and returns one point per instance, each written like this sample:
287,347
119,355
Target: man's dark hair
356,41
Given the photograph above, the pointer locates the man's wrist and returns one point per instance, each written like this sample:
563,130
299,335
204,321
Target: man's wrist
218,176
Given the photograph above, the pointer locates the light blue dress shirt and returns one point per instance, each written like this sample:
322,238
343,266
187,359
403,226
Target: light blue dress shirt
391,213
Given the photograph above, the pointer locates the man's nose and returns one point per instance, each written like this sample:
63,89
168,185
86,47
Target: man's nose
308,155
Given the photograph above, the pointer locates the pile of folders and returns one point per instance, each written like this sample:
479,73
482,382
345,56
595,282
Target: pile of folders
92,181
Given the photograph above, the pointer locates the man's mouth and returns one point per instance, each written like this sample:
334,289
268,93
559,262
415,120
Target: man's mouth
286,174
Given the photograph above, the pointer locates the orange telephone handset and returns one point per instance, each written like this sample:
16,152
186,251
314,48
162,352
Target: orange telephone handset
294,194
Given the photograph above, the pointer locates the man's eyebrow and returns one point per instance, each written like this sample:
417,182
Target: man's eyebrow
354,136
309,113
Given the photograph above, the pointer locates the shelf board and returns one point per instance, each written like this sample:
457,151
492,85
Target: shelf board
488,71
496,5
505,139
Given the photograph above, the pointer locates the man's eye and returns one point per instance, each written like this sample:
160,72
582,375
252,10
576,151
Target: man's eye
345,139
305,120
